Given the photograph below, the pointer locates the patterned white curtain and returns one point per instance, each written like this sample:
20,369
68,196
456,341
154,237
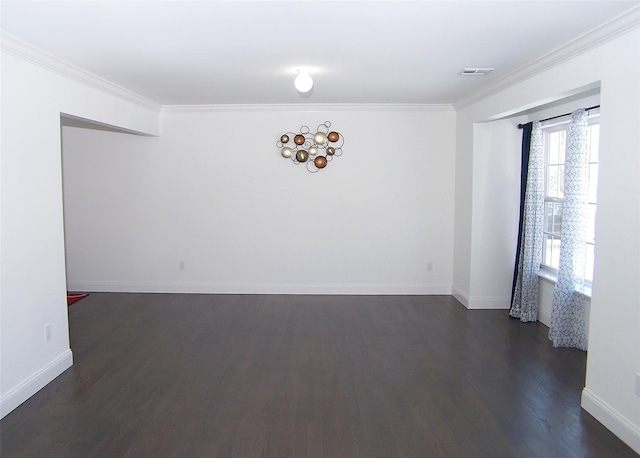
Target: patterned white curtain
567,310
525,297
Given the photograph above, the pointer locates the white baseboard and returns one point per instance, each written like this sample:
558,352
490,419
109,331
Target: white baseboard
35,383
460,296
481,303
489,303
544,317
260,288
611,419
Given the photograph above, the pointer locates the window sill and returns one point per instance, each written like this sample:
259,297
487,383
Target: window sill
552,277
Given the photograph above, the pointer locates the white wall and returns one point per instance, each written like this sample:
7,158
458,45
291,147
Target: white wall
32,245
614,337
214,192
495,213
463,201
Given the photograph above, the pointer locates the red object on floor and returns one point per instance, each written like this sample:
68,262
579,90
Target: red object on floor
72,298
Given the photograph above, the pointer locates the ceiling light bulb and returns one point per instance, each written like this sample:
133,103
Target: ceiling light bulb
303,82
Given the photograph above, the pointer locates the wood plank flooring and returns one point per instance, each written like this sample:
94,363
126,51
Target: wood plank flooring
246,376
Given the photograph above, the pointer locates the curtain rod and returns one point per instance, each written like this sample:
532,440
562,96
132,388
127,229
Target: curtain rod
520,126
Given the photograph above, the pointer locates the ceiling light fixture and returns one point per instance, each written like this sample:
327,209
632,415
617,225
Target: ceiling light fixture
303,82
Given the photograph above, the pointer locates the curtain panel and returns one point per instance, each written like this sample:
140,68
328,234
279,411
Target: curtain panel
567,310
524,301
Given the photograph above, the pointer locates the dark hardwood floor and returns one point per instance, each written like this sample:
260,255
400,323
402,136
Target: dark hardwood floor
247,376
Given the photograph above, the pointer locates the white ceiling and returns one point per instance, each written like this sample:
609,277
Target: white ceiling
232,52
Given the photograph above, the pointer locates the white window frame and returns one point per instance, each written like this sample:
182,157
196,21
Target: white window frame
550,272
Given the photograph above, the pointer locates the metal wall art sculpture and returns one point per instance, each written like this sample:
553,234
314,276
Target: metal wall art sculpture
315,149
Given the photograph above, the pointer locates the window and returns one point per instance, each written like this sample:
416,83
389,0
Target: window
554,144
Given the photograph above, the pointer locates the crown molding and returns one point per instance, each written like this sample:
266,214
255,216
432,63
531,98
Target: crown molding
28,53
604,33
307,107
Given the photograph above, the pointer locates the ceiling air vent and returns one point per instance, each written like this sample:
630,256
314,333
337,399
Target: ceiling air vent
476,71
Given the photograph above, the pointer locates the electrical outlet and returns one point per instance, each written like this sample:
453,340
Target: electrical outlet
429,266
638,384
47,332
181,265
